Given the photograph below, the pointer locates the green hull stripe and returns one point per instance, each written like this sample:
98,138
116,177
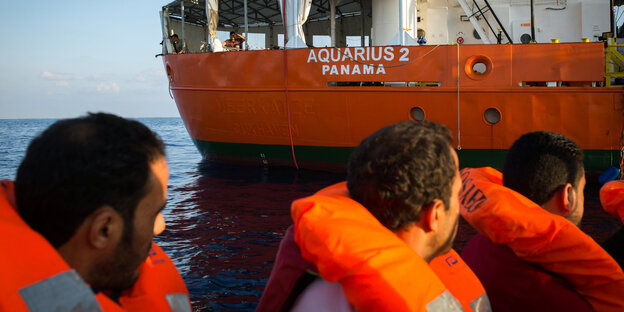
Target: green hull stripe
595,160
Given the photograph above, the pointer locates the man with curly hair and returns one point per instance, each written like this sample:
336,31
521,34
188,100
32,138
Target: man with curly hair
377,232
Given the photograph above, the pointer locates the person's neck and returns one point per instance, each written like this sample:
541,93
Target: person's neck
416,238
76,257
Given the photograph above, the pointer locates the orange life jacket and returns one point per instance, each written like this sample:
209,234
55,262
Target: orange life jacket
36,278
612,198
461,281
377,270
535,235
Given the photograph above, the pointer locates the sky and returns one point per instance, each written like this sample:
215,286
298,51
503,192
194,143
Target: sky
65,58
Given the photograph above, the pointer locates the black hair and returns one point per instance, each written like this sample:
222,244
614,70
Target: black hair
232,33
78,165
174,35
400,169
540,162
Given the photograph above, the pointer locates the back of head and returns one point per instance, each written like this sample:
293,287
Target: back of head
78,165
401,168
540,162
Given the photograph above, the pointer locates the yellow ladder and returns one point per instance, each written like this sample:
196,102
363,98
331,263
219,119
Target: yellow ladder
613,57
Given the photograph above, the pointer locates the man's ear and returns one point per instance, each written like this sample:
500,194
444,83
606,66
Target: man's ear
105,228
432,216
567,199
571,198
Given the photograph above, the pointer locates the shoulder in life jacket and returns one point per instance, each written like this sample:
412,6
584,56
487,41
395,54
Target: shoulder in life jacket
461,281
535,235
612,198
376,269
36,278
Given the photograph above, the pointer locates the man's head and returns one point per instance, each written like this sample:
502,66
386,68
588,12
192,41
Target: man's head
232,35
94,187
407,176
174,38
547,168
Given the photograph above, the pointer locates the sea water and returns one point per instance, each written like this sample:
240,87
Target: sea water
225,222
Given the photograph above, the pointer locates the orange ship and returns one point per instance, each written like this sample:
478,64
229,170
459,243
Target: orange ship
308,107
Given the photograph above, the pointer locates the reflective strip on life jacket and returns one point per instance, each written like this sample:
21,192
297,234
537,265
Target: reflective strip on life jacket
28,263
612,198
34,277
65,291
481,304
377,270
535,235
179,302
444,302
461,281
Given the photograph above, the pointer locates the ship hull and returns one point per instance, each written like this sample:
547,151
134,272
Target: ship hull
310,107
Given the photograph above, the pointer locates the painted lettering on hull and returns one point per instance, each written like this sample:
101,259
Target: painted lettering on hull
356,61
354,69
264,130
270,107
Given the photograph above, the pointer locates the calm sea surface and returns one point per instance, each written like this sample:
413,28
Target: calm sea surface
224,222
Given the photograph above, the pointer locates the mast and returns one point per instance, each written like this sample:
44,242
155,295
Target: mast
532,22
612,19
182,15
332,17
246,26
402,37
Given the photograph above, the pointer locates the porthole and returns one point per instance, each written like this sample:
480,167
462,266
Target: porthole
492,116
525,38
478,67
417,113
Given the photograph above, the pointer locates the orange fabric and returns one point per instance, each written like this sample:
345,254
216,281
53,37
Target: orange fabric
612,198
458,278
20,266
158,277
107,304
376,269
535,235
28,258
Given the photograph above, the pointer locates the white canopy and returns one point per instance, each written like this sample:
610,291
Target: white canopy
212,14
297,12
395,22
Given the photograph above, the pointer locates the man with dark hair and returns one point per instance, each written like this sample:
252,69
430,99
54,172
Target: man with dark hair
400,173
540,165
178,47
94,188
370,239
235,42
530,254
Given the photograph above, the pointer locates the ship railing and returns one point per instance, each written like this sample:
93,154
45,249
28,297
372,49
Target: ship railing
614,63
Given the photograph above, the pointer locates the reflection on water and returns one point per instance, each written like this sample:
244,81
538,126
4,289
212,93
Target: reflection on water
223,229
224,222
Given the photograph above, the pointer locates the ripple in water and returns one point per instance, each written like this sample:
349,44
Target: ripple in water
224,222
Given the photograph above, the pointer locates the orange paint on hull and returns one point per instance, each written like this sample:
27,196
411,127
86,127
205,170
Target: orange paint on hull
240,97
